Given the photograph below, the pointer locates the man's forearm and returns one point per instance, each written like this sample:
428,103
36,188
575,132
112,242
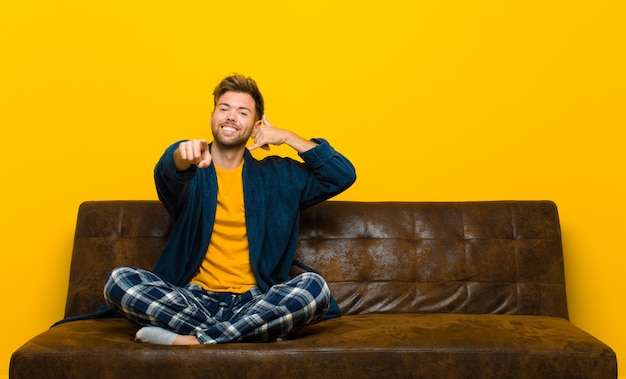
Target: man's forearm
298,143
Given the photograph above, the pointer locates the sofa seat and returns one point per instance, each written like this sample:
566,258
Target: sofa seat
363,346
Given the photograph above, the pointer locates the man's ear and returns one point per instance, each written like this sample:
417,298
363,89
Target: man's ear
255,127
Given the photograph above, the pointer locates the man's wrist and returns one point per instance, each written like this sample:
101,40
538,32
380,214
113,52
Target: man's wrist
298,143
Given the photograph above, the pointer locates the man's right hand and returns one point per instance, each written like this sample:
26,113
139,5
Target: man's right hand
194,152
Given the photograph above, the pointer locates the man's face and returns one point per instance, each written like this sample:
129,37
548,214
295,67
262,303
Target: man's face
233,119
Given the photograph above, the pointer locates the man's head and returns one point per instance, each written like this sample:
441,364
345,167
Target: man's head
238,109
240,83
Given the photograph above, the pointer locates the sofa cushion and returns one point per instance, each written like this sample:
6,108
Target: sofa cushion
362,346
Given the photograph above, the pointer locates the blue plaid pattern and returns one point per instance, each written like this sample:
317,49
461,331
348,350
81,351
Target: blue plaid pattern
215,317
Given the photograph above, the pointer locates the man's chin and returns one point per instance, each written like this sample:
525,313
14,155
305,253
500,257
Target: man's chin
230,145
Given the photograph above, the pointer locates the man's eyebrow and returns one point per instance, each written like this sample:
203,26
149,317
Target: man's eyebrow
228,105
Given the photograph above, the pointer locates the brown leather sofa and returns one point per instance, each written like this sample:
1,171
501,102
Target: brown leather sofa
428,290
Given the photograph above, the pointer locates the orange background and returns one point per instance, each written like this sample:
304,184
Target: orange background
431,100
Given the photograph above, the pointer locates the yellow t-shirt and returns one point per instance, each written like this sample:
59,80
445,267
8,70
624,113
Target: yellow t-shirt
226,266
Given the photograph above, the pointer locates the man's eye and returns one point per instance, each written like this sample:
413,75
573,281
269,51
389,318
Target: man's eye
244,114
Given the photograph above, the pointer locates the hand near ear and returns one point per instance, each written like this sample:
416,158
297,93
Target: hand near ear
257,135
266,134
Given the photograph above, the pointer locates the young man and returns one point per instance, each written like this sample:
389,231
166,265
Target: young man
224,273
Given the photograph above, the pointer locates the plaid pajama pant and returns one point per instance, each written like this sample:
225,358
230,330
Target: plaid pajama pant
215,317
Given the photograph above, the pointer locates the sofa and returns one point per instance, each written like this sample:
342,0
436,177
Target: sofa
427,290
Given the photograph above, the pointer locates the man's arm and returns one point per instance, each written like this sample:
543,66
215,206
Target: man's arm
172,179
330,173
267,134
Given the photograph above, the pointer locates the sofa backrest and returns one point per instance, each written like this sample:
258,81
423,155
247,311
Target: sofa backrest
378,257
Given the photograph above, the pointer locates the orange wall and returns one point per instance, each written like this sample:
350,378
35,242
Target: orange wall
432,100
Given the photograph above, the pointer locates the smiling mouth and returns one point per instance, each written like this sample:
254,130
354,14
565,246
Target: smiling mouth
229,129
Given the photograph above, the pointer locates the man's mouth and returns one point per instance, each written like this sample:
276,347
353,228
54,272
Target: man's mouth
229,129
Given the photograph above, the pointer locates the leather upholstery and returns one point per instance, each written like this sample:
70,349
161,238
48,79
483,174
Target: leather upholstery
428,290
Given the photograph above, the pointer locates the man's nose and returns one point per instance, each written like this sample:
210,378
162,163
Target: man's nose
231,116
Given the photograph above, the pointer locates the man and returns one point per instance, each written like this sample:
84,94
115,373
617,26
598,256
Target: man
224,273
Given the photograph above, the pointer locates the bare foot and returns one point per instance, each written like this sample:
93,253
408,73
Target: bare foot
185,340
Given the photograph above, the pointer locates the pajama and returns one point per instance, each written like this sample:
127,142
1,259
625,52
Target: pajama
215,317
